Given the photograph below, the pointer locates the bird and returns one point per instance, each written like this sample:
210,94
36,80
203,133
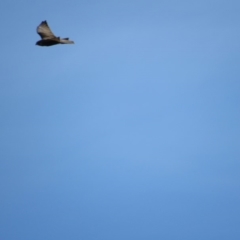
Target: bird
48,38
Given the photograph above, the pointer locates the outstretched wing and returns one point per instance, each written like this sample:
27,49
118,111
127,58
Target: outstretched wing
44,31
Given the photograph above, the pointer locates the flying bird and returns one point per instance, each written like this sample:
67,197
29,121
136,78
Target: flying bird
48,38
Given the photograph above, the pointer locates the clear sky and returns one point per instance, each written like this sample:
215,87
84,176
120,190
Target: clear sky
132,133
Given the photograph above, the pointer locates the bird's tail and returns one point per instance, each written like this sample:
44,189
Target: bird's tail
66,41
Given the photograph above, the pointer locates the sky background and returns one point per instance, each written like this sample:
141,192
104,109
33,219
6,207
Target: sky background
131,133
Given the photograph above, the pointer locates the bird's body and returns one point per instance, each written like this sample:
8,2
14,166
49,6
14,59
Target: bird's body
48,38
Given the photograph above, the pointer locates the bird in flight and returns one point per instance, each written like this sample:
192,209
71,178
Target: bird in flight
48,38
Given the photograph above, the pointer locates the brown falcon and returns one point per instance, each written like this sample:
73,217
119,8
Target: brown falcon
48,38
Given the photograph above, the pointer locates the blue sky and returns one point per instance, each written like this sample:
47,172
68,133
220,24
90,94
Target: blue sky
133,132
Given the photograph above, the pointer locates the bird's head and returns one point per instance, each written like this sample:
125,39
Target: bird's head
39,43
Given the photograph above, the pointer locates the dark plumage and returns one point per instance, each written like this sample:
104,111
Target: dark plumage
48,38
